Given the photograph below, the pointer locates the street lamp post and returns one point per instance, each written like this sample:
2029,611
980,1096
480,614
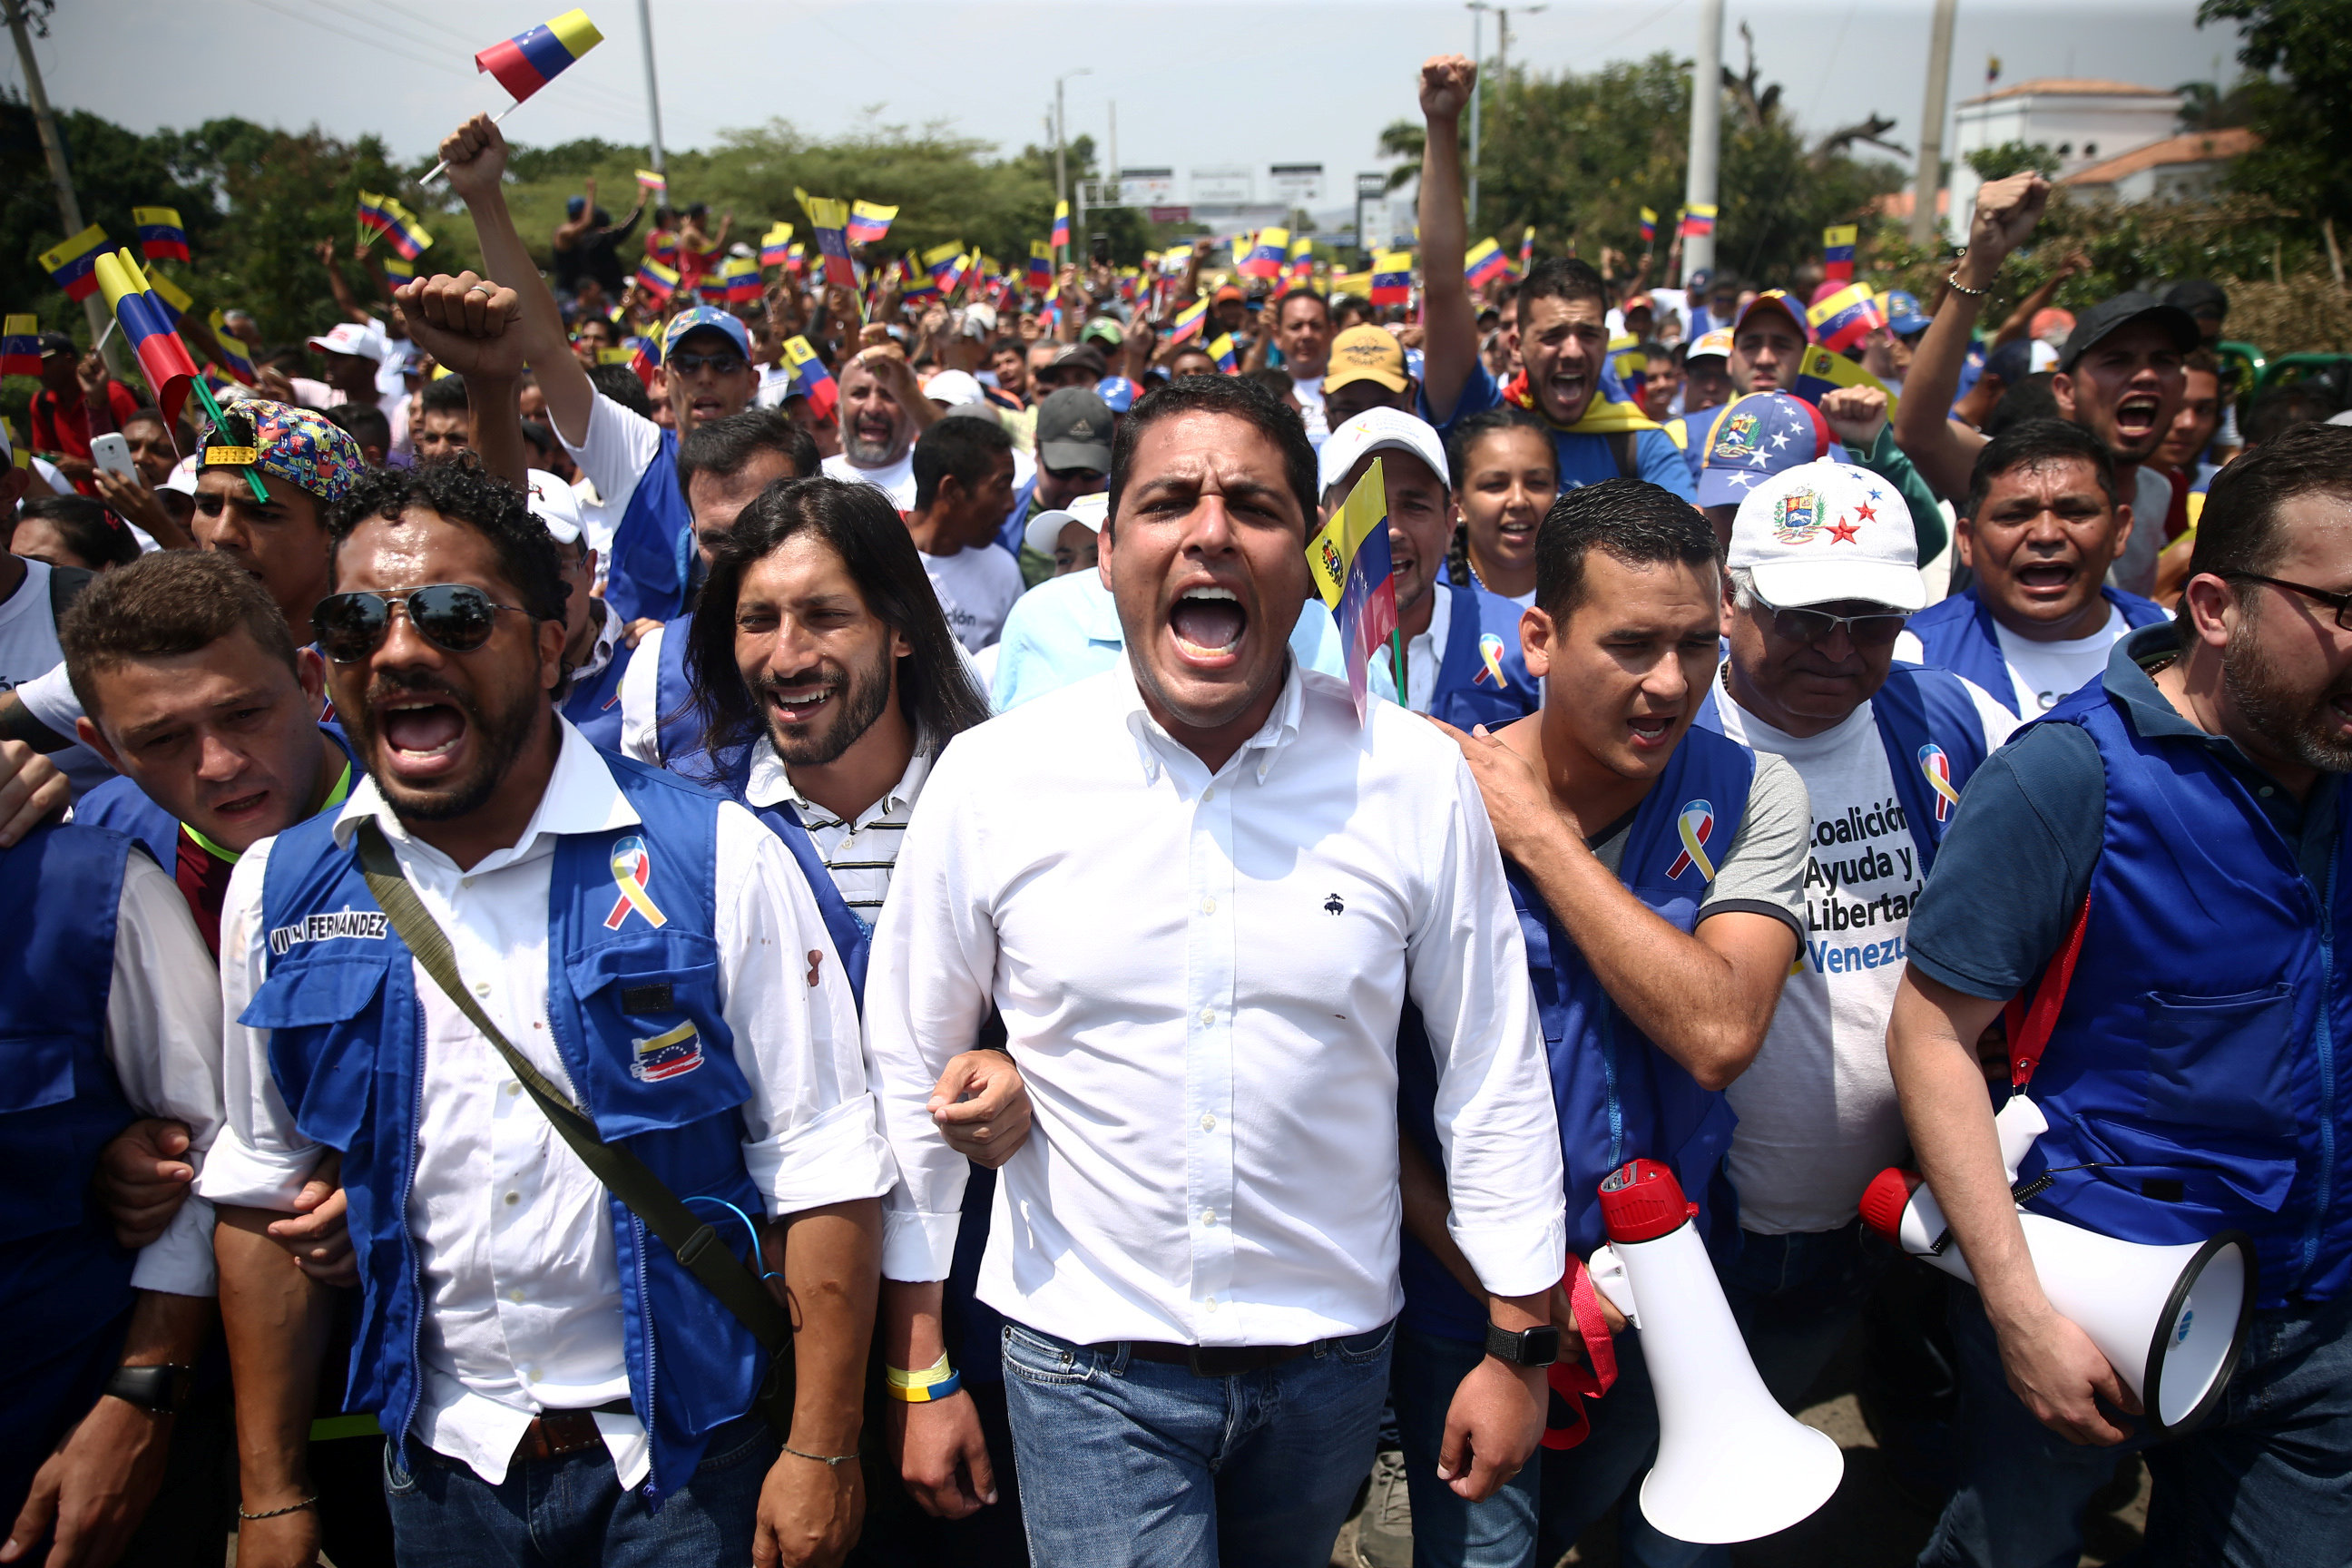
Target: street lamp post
1061,164
1478,9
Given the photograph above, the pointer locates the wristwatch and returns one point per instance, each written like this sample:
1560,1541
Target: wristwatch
1536,1347
158,1390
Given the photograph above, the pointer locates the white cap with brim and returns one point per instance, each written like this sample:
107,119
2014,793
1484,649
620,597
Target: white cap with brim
1822,532
952,387
1044,529
1377,430
350,338
552,502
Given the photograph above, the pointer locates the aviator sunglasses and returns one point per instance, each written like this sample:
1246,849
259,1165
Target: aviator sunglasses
455,617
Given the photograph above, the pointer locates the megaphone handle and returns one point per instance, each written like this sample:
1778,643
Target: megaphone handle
1577,1381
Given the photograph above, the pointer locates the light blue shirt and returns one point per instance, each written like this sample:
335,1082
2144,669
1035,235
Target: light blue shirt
1066,628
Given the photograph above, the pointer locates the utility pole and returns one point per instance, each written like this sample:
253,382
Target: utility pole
53,148
1931,126
1478,9
653,87
1061,159
1706,133
1503,43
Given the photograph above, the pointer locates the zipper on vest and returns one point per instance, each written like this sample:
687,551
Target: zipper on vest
407,1239
2323,1048
653,1353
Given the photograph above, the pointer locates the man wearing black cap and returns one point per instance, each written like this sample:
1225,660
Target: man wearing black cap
1073,427
1080,364
2119,376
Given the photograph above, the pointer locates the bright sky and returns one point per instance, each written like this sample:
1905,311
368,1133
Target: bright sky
1196,85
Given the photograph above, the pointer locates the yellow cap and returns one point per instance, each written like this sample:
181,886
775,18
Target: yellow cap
1365,353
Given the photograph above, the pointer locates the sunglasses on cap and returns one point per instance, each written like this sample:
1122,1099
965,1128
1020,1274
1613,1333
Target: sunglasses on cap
1878,630
455,617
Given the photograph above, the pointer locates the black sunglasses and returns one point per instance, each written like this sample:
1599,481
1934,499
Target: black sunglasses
1813,625
2340,603
455,617
724,365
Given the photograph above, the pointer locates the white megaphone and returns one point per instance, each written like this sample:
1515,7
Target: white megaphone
2170,1320
1732,1465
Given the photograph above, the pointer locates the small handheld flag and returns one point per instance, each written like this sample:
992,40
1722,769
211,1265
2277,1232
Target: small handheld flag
1061,226
1837,251
655,181
775,245
161,235
1349,562
945,265
1649,226
1526,250
1485,263
1699,221
830,219
655,279
1846,318
20,346
1302,261
1391,278
172,297
868,222
811,379
385,215
1222,350
740,275
1822,371
1041,266
528,61
236,356
1265,256
397,270
162,358
73,265
1188,320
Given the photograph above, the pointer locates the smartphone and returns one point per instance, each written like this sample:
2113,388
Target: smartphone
112,453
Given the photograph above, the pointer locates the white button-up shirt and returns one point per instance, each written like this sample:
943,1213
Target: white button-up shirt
859,854
1200,976
522,1288
1425,655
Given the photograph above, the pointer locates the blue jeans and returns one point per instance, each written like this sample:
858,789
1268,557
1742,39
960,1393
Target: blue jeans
569,1511
1560,1494
2265,1482
1137,1462
1797,1297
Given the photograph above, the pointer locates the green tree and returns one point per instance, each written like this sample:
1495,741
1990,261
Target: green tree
2300,54
2012,158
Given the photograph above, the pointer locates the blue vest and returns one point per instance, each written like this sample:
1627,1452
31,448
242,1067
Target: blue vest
346,1037
1929,725
1469,690
123,806
646,579
1619,1097
680,727
61,1274
594,706
1956,634
2197,1066
853,939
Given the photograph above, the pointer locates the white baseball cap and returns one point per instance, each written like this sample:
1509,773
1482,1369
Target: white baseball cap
953,387
1044,529
552,502
350,338
1825,531
182,478
1377,430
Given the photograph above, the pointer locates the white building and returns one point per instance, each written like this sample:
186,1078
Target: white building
2084,121
2179,168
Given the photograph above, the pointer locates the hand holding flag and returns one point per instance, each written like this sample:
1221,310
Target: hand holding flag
530,60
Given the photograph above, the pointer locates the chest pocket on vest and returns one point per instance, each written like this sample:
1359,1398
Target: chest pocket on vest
660,1054
2223,1062
326,1043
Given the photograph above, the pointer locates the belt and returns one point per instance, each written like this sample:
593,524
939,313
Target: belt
1217,1361
560,1432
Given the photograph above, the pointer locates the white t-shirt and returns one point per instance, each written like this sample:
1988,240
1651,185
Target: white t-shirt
613,454
896,480
1309,390
1818,1116
976,589
28,649
2045,673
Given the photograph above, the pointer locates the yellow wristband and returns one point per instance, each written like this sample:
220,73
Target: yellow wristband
937,1372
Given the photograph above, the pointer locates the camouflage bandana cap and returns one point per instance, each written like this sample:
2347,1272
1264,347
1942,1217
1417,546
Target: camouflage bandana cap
304,447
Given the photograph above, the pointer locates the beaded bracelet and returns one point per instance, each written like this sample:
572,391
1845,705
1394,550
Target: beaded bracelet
311,1501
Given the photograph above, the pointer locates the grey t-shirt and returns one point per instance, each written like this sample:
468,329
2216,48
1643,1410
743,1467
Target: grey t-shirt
1764,873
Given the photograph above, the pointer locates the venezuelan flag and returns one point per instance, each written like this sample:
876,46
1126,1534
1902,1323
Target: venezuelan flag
1837,251
173,298
655,279
655,182
528,61
162,358
1649,226
741,277
946,264
1822,371
1355,575
1223,351
1302,261
1485,263
386,216
1041,266
1188,320
811,379
161,235
1265,256
830,219
74,263
398,268
1846,318
645,357
1526,249
20,346
1391,278
1061,225
775,245
868,222
235,357
1699,221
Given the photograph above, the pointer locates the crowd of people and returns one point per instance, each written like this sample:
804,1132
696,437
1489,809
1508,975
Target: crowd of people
1158,1108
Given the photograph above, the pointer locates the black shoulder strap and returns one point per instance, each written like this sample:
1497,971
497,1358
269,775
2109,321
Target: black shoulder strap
65,584
626,1177
1623,447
